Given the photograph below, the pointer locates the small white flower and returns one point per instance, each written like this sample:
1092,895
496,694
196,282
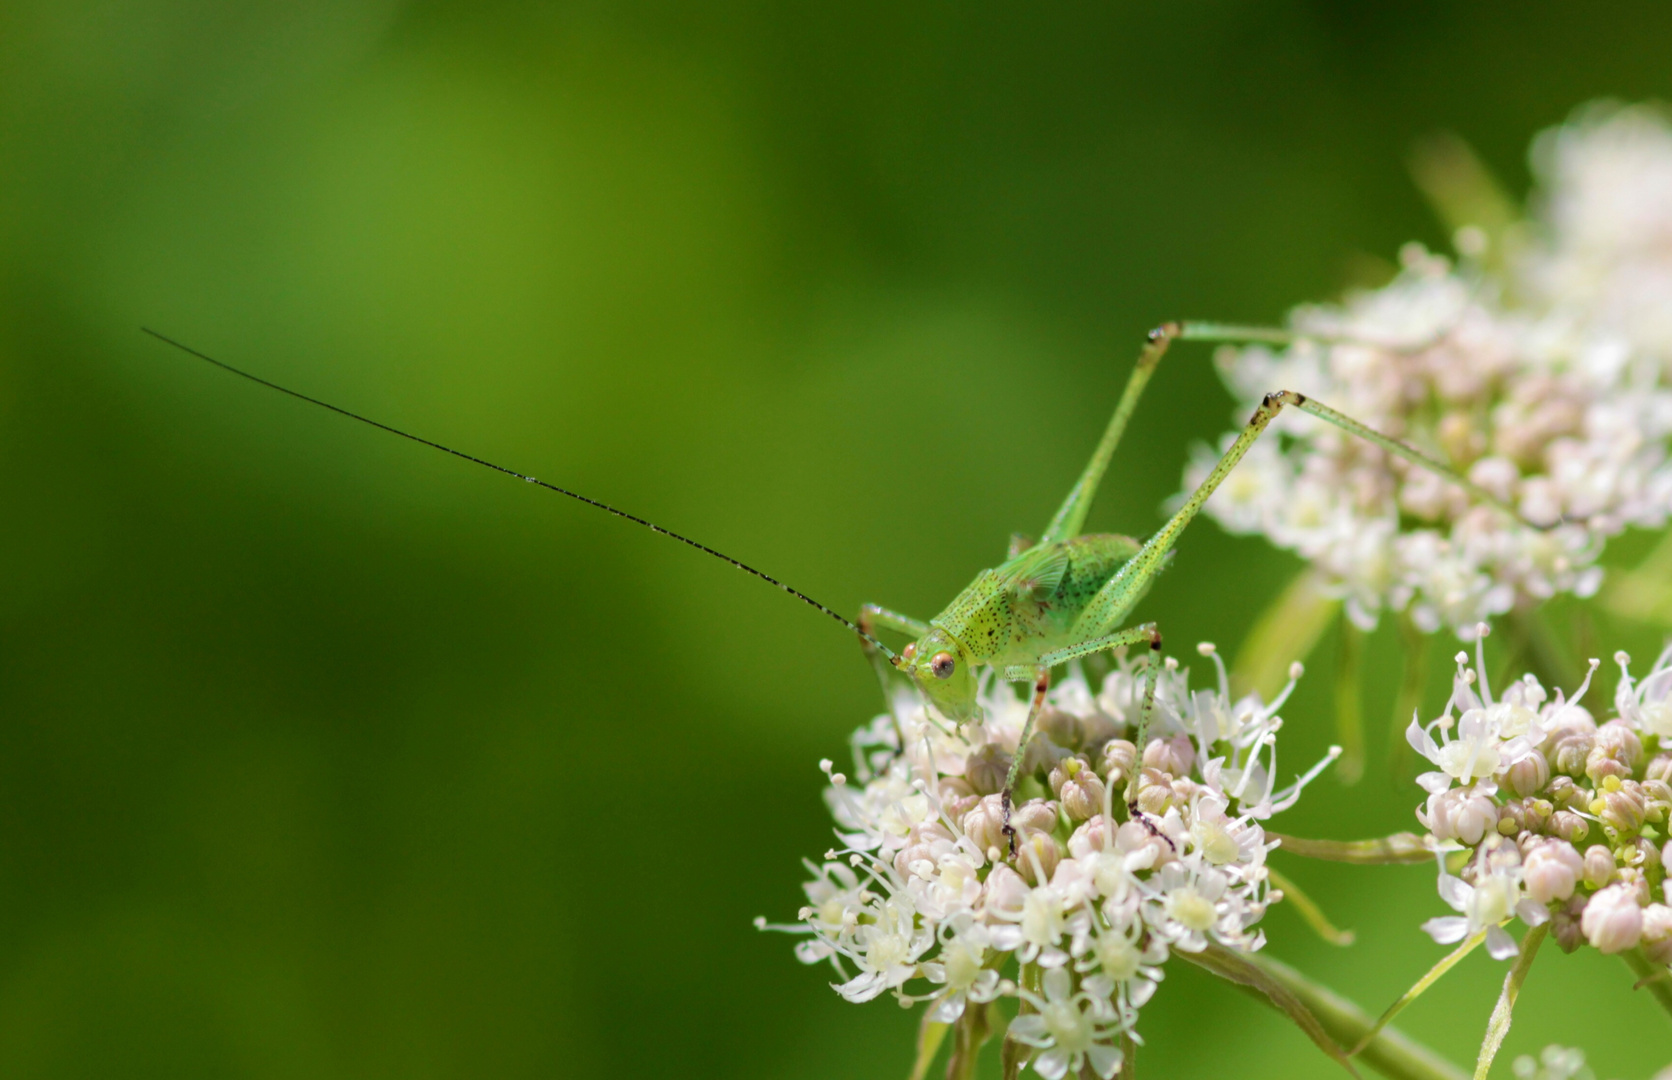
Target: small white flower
1188,902
1645,704
961,967
1491,901
885,950
1068,1029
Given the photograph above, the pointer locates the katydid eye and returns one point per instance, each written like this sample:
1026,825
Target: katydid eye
943,665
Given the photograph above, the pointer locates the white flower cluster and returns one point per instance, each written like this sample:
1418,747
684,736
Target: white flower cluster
923,897
1560,817
1553,1063
1541,376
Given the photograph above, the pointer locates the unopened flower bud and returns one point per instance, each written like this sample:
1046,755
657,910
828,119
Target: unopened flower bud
1599,866
1060,772
1037,854
1565,794
1565,923
1616,742
1613,921
1118,759
1645,856
918,859
986,769
1155,792
1005,890
1657,933
1512,818
1460,814
1062,728
985,826
1035,815
1660,768
1528,776
1173,756
1091,837
1623,809
1551,870
1082,797
1638,882
1569,751
1569,826
957,797
1659,796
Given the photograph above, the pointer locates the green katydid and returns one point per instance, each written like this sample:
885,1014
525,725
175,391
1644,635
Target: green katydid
1066,596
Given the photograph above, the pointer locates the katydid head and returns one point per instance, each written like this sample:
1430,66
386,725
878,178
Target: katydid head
944,672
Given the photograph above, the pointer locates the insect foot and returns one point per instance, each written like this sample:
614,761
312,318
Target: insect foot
944,897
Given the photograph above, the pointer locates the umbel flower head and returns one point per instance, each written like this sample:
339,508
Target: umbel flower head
923,897
1541,375
1553,815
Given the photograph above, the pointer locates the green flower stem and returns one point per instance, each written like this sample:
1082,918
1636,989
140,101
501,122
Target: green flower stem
1391,1053
1652,976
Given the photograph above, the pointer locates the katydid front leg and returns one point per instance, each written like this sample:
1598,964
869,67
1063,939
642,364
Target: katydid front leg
1041,683
873,617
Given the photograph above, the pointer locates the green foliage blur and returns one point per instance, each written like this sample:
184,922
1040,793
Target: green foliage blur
323,755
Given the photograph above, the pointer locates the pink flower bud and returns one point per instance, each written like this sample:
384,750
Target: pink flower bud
1118,758
1618,742
1173,756
1657,933
1660,767
1624,809
1613,921
1659,795
1155,791
1569,826
1005,889
1570,750
1551,870
1564,924
1460,814
1565,794
1089,838
986,769
1528,776
1040,848
1082,797
1599,866
1035,815
1062,728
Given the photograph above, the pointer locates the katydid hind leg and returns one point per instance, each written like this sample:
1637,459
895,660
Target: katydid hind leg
1071,516
1120,594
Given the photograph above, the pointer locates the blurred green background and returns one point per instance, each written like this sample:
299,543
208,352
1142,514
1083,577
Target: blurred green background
323,755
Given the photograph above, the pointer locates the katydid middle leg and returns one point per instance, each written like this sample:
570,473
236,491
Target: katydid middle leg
1042,683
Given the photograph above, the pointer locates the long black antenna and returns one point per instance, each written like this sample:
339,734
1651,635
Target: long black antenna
743,566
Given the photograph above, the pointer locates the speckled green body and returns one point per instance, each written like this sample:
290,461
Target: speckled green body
1012,614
